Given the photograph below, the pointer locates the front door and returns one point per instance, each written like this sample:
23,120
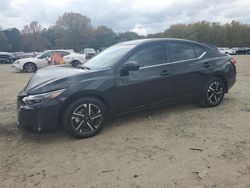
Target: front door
152,83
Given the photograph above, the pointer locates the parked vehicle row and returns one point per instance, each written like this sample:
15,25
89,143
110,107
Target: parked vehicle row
6,58
234,51
50,57
21,55
227,51
89,52
242,51
128,76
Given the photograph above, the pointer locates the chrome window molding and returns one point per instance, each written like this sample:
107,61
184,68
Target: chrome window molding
173,62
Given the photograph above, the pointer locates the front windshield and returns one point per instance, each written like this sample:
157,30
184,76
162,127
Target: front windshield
108,57
44,55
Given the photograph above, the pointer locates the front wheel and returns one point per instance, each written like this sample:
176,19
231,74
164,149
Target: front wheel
85,117
30,67
213,93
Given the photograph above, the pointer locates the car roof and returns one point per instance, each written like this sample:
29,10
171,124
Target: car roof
6,53
56,50
143,41
89,50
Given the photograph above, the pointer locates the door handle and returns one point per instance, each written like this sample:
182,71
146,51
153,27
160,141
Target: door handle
165,73
206,65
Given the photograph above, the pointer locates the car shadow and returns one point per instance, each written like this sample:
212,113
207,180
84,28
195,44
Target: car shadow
156,111
60,134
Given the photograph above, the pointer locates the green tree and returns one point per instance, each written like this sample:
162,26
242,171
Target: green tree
4,42
76,29
103,37
31,37
14,37
121,37
234,34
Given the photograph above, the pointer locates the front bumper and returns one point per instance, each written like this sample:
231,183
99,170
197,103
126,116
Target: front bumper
44,116
17,67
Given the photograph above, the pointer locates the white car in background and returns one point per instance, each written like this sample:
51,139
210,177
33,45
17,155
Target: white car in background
43,60
89,52
227,51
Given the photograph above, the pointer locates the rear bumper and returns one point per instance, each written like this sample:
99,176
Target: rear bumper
231,77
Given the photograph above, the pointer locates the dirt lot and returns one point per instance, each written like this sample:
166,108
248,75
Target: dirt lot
181,146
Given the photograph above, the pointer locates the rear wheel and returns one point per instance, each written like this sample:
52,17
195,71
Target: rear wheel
213,93
85,117
29,67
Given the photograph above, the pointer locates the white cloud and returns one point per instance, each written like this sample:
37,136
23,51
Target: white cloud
140,29
141,16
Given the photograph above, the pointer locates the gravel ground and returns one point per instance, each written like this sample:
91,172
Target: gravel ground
178,146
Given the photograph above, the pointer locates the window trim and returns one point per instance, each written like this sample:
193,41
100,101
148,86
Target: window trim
199,46
173,62
149,45
181,43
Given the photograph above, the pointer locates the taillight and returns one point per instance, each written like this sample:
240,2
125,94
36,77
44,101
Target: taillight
233,61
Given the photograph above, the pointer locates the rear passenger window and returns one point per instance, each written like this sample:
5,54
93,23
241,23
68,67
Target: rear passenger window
62,53
181,51
198,50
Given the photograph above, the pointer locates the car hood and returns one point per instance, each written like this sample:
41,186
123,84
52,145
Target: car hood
53,78
30,59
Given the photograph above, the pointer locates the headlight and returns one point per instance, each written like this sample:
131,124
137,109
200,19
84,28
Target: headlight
33,99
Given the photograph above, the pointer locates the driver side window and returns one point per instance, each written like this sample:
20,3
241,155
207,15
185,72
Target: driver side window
150,55
46,55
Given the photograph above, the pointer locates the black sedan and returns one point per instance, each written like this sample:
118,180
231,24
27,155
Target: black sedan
126,77
6,58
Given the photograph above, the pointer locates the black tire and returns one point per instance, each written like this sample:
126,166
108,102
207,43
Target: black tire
30,67
75,63
213,92
84,117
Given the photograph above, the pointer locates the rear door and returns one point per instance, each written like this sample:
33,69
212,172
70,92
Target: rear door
60,59
187,60
151,84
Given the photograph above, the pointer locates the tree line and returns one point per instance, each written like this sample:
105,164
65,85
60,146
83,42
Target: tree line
234,34
74,31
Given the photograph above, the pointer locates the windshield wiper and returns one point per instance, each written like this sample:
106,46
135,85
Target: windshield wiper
85,67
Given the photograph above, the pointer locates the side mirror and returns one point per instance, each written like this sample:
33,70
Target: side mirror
131,66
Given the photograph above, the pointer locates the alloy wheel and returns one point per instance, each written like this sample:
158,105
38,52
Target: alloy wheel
86,118
215,93
30,67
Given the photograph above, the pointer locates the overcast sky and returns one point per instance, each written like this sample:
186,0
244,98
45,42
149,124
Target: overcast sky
141,16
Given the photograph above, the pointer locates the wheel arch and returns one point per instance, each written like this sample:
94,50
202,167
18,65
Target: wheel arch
224,81
79,95
29,62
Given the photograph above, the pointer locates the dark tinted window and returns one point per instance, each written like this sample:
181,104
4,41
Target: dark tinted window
181,51
45,55
150,55
62,53
4,56
198,50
